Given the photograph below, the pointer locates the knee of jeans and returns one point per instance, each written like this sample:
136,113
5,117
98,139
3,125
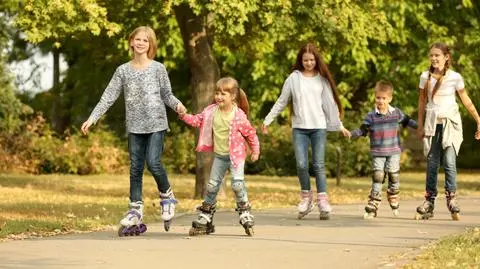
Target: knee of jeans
237,186
319,166
302,165
154,165
449,165
212,187
136,170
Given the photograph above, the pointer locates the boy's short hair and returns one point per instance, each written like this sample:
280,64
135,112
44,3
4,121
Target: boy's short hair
384,86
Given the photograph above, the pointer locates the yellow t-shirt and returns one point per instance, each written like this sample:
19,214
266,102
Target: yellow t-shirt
221,129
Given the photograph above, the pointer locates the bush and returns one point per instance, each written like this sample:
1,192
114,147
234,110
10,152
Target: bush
37,149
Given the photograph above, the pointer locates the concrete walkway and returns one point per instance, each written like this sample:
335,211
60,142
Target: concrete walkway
280,241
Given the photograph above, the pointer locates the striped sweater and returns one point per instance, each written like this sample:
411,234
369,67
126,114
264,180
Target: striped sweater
383,131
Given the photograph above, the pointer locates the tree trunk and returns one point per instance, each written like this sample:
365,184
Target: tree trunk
57,95
204,74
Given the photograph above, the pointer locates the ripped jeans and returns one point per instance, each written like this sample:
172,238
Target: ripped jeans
219,167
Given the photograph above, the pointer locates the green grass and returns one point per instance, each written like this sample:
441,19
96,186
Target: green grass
457,251
48,204
53,204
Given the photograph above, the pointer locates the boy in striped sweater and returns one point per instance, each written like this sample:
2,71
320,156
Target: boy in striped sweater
382,126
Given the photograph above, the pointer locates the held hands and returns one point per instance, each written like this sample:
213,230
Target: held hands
264,129
254,157
345,132
421,132
181,110
85,126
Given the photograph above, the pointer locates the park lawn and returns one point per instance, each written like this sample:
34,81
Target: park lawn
456,251
51,204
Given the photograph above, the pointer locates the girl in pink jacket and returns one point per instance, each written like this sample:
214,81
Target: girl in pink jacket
225,130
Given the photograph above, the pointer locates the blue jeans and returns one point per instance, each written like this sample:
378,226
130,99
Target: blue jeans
386,164
220,165
146,147
302,139
435,158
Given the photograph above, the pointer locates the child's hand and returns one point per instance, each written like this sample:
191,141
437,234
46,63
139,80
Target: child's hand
181,110
85,126
264,129
345,132
477,133
254,157
420,132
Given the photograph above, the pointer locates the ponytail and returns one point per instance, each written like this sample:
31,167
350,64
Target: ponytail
242,101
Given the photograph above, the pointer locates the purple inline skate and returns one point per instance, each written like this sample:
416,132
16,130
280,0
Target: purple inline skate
132,223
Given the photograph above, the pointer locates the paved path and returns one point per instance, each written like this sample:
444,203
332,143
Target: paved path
280,241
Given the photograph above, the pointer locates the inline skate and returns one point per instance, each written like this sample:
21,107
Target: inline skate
452,205
323,206
167,204
245,217
392,197
306,204
203,224
371,208
425,210
132,223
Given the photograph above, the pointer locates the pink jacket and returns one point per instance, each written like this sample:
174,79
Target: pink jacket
240,131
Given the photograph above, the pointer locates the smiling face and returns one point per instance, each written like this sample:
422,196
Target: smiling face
308,61
438,59
224,99
140,43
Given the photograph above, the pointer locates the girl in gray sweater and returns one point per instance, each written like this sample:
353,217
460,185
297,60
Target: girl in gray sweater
146,88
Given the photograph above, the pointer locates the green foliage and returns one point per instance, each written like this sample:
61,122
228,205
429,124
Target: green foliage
179,153
60,19
256,42
36,149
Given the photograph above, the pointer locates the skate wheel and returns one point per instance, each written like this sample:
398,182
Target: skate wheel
418,216
324,216
121,232
368,216
142,228
456,216
166,225
192,232
249,231
395,212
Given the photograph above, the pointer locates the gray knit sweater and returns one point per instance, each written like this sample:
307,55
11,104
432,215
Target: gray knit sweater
146,93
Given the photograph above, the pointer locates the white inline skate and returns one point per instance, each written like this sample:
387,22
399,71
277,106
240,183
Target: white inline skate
167,204
132,223
306,204
323,206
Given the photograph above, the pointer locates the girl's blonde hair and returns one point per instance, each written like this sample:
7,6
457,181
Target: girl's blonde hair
230,85
152,40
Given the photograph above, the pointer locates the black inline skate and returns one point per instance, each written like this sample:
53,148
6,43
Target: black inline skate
452,205
245,217
371,208
203,224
